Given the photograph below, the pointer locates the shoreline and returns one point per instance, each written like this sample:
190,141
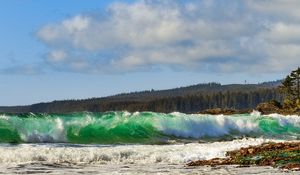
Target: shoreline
284,156
264,108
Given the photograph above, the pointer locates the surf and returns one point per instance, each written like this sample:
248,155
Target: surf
143,127
78,154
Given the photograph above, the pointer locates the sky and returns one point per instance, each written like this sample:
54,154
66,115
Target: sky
76,49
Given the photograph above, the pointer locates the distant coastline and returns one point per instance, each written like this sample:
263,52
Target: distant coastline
264,108
190,99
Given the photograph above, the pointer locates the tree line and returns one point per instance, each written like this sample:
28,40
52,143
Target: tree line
290,88
189,99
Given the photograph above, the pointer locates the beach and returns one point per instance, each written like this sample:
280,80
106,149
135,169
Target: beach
162,169
123,159
136,143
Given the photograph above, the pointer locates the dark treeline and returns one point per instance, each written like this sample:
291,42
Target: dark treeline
189,99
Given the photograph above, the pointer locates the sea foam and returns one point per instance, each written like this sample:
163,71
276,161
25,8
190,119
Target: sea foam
122,154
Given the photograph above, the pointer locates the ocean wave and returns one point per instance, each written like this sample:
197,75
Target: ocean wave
143,127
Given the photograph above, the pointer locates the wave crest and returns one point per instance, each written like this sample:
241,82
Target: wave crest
143,127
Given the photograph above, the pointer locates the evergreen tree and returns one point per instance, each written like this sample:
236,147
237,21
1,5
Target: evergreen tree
295,76
291,89
287,87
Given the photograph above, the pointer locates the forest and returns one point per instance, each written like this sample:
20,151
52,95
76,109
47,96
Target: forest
190,99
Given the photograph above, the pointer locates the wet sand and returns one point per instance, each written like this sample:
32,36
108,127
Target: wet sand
128,169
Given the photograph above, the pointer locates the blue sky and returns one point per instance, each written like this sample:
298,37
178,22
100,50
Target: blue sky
71,49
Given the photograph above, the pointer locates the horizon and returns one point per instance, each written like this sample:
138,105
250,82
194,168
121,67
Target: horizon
55,50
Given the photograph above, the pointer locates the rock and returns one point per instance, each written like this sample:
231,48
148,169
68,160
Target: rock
213,111
268,108
225,111
281,155
292,166
250,151
212,162
264,108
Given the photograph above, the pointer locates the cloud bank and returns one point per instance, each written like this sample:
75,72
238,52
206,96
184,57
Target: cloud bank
250,36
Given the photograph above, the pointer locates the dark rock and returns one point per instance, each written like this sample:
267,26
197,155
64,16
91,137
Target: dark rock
226,111
292,166
268,108
281,155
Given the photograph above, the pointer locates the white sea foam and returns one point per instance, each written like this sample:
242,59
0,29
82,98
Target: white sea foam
255,113
198,126
136,154
37,135
3,117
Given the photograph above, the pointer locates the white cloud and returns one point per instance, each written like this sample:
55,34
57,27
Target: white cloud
244,36
282,9
187,56
283,33
57,56
76,24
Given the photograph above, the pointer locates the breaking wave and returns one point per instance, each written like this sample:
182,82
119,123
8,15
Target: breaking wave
143,127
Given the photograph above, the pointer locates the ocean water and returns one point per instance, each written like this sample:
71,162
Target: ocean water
134,143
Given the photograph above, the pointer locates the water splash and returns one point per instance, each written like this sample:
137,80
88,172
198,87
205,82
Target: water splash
143,127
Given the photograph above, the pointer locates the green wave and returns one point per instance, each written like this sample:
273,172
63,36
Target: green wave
144,127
